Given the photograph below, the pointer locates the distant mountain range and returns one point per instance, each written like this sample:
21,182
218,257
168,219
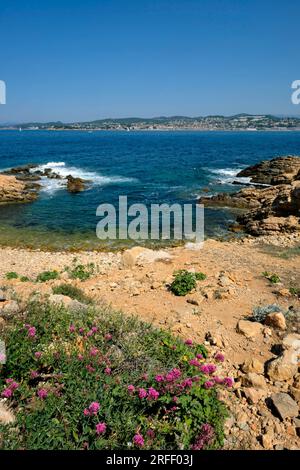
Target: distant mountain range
215,122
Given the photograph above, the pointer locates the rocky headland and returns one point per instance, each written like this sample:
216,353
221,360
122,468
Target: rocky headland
274,208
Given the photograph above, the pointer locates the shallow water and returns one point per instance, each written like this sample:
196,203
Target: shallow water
148,167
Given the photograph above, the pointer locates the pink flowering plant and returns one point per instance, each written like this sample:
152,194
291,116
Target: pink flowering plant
100,380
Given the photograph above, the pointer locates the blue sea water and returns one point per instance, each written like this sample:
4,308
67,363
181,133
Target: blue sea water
148,167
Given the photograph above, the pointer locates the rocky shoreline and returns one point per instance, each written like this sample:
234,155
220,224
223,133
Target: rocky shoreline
23,183
269,210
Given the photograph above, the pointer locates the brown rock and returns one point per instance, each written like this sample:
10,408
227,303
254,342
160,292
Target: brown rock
254,380
284,367
253,395
249,329
12,191
253,365
276,320
285,406
75,185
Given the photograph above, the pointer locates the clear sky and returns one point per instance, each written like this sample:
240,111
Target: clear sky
87,59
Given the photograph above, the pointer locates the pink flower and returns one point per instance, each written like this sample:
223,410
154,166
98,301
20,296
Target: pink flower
72,328
100,428
208,384
94,329
208,369
142,393
107,371
34,374
199,356
90,368
86,412
188,342
94,351
31,332
173,375
205,437
187,383
2,358
80,357
81,331
131,389
217,379
94,408
7,393
38,354
108,336
159,378
228,381
42,393
152,394
139,440
194,362
219,357
14,385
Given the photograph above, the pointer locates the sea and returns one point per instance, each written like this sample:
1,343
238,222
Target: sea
146,166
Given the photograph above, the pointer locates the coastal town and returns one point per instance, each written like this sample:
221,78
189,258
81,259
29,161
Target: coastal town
239,122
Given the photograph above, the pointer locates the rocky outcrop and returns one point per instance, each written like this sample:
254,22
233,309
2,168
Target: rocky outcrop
272,209
14,191
75,185
282,170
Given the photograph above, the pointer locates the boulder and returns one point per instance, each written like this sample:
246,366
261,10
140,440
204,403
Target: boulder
249,329
284,405
254,395
276,320
75,185
283,367
139,255
10,308
67,302
253,365
254,380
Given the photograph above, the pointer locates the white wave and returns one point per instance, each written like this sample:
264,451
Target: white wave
228,175
60,168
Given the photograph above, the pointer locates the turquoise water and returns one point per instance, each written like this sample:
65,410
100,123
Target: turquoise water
148,167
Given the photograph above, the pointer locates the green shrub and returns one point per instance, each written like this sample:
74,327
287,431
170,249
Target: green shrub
81,271
295,291
185,281
11,275
47,276
273,278
71,291
111,359
24,279
259,313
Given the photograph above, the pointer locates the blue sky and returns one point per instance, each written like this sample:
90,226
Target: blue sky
87,59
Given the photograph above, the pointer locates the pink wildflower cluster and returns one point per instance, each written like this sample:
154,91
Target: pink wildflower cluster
9,391
42,393
92,331
38,354
205,437
92,409
219,357
31,331
100,428
189,342
138,440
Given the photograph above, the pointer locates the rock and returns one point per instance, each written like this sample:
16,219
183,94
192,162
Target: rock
139,255
253,365
75,185
283,293
2,296
283,367
249,329
10,308
291,341
67,302
14,191
272,209
254,380
214,339
6,415
284,405
267,440
253,395
276,320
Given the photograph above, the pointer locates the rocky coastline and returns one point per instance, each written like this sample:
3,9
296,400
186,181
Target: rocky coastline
23,183
273,208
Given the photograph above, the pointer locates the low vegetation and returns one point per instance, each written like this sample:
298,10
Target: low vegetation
105,381
272,277
185,281
47,276
81,271
71,291
11,275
